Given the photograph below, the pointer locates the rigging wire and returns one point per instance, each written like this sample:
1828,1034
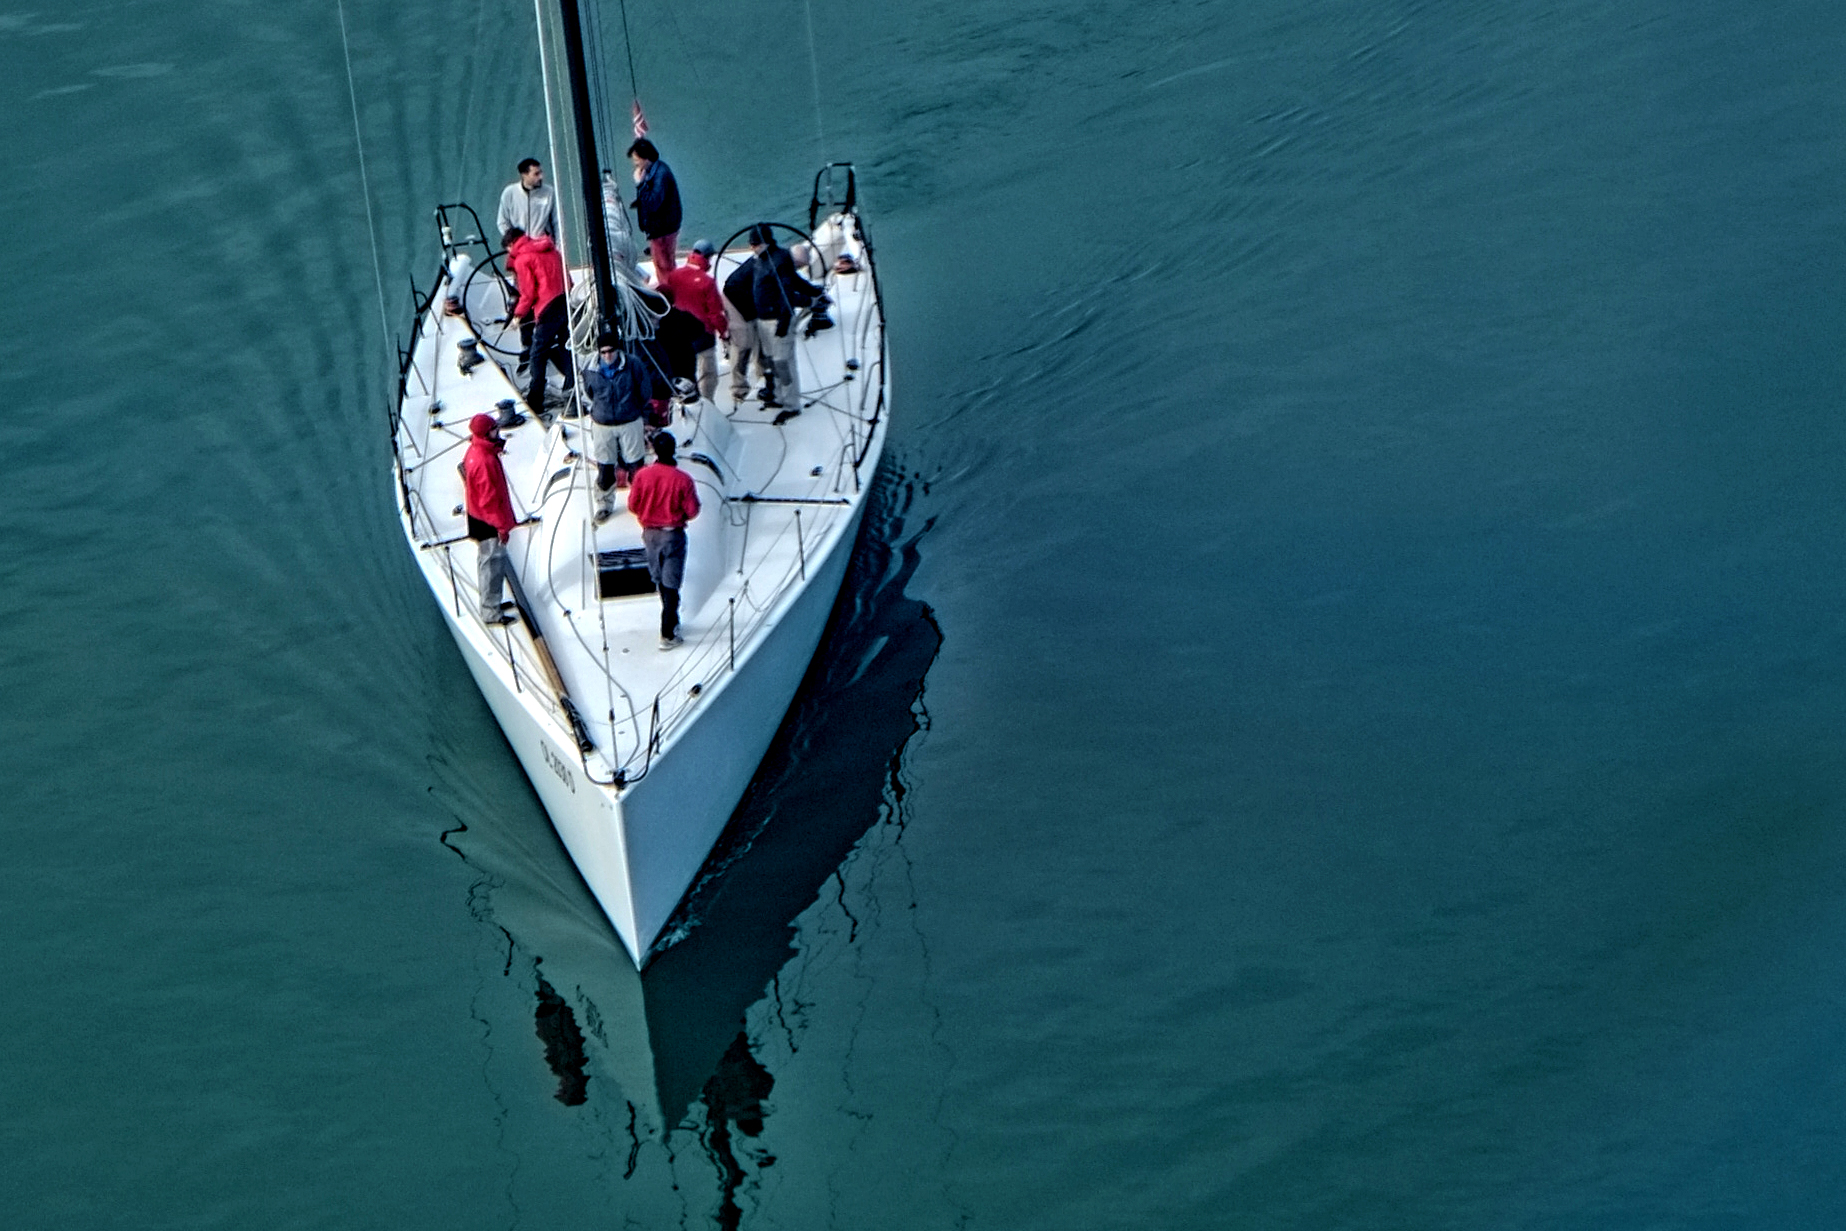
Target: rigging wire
365,182
628,43
467,128
820,133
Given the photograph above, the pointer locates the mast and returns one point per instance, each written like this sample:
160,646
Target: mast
588,163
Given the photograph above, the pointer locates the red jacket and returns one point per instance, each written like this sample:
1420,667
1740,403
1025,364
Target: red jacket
663,498
693,291
538,267
484,481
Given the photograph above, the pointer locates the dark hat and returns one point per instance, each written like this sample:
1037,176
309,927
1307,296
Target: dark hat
705,248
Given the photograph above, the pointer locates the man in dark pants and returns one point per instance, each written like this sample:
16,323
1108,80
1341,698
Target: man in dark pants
539,269
507,240
663,500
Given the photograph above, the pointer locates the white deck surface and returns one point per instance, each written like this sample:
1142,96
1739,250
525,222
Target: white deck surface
745,559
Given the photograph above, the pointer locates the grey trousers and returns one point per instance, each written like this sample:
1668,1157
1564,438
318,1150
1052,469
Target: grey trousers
708,372
666,565
492,569
738,348
780,355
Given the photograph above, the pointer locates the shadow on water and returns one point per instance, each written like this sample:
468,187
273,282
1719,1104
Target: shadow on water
826,778
674,1036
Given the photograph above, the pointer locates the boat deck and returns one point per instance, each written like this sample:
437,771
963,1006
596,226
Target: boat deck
774,498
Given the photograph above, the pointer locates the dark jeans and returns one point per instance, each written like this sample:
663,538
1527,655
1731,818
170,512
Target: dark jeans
550,344
669,611
666,565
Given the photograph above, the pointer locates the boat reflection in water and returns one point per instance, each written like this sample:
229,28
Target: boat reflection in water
673,1037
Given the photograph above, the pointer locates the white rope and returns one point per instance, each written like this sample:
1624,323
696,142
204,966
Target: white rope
820,133
365,182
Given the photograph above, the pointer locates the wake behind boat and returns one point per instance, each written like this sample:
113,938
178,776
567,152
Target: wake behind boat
640,756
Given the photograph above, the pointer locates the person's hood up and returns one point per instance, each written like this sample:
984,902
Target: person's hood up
481,425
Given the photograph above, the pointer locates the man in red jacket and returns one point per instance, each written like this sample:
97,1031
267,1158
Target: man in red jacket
663,500
490,513
538,268
692,291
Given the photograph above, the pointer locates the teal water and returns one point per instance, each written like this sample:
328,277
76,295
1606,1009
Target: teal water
1338,727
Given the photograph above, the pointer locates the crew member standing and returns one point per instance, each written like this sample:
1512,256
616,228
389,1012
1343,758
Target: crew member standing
490,513
663,500
656,203
619,384
528,204
740,324
539,269
779,293
693,292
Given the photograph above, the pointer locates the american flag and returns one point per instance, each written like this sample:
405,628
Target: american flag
640,120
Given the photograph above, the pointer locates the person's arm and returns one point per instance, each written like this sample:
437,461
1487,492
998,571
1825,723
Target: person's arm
527,278
505,217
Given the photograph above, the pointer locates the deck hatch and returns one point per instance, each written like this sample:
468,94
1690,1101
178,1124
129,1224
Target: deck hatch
623,573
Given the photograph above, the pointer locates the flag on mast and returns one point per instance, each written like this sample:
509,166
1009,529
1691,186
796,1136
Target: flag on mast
640,121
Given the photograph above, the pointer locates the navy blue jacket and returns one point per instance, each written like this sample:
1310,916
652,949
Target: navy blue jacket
740,290
621,398
779,292
657,201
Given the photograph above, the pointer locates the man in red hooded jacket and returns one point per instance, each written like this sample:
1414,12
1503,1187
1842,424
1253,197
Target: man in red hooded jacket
538,268
490,513
692,291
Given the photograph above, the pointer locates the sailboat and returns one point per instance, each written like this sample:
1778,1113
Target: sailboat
639,756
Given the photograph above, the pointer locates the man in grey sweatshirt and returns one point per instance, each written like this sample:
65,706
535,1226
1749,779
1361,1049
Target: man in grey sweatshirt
528,203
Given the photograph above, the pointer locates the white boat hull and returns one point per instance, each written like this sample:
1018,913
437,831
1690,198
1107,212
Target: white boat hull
641,756
639,848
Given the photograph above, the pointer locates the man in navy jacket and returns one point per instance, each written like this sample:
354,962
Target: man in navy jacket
777,293
619,383
656,203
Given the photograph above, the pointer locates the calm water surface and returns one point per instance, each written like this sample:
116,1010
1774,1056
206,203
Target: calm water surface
1337,725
